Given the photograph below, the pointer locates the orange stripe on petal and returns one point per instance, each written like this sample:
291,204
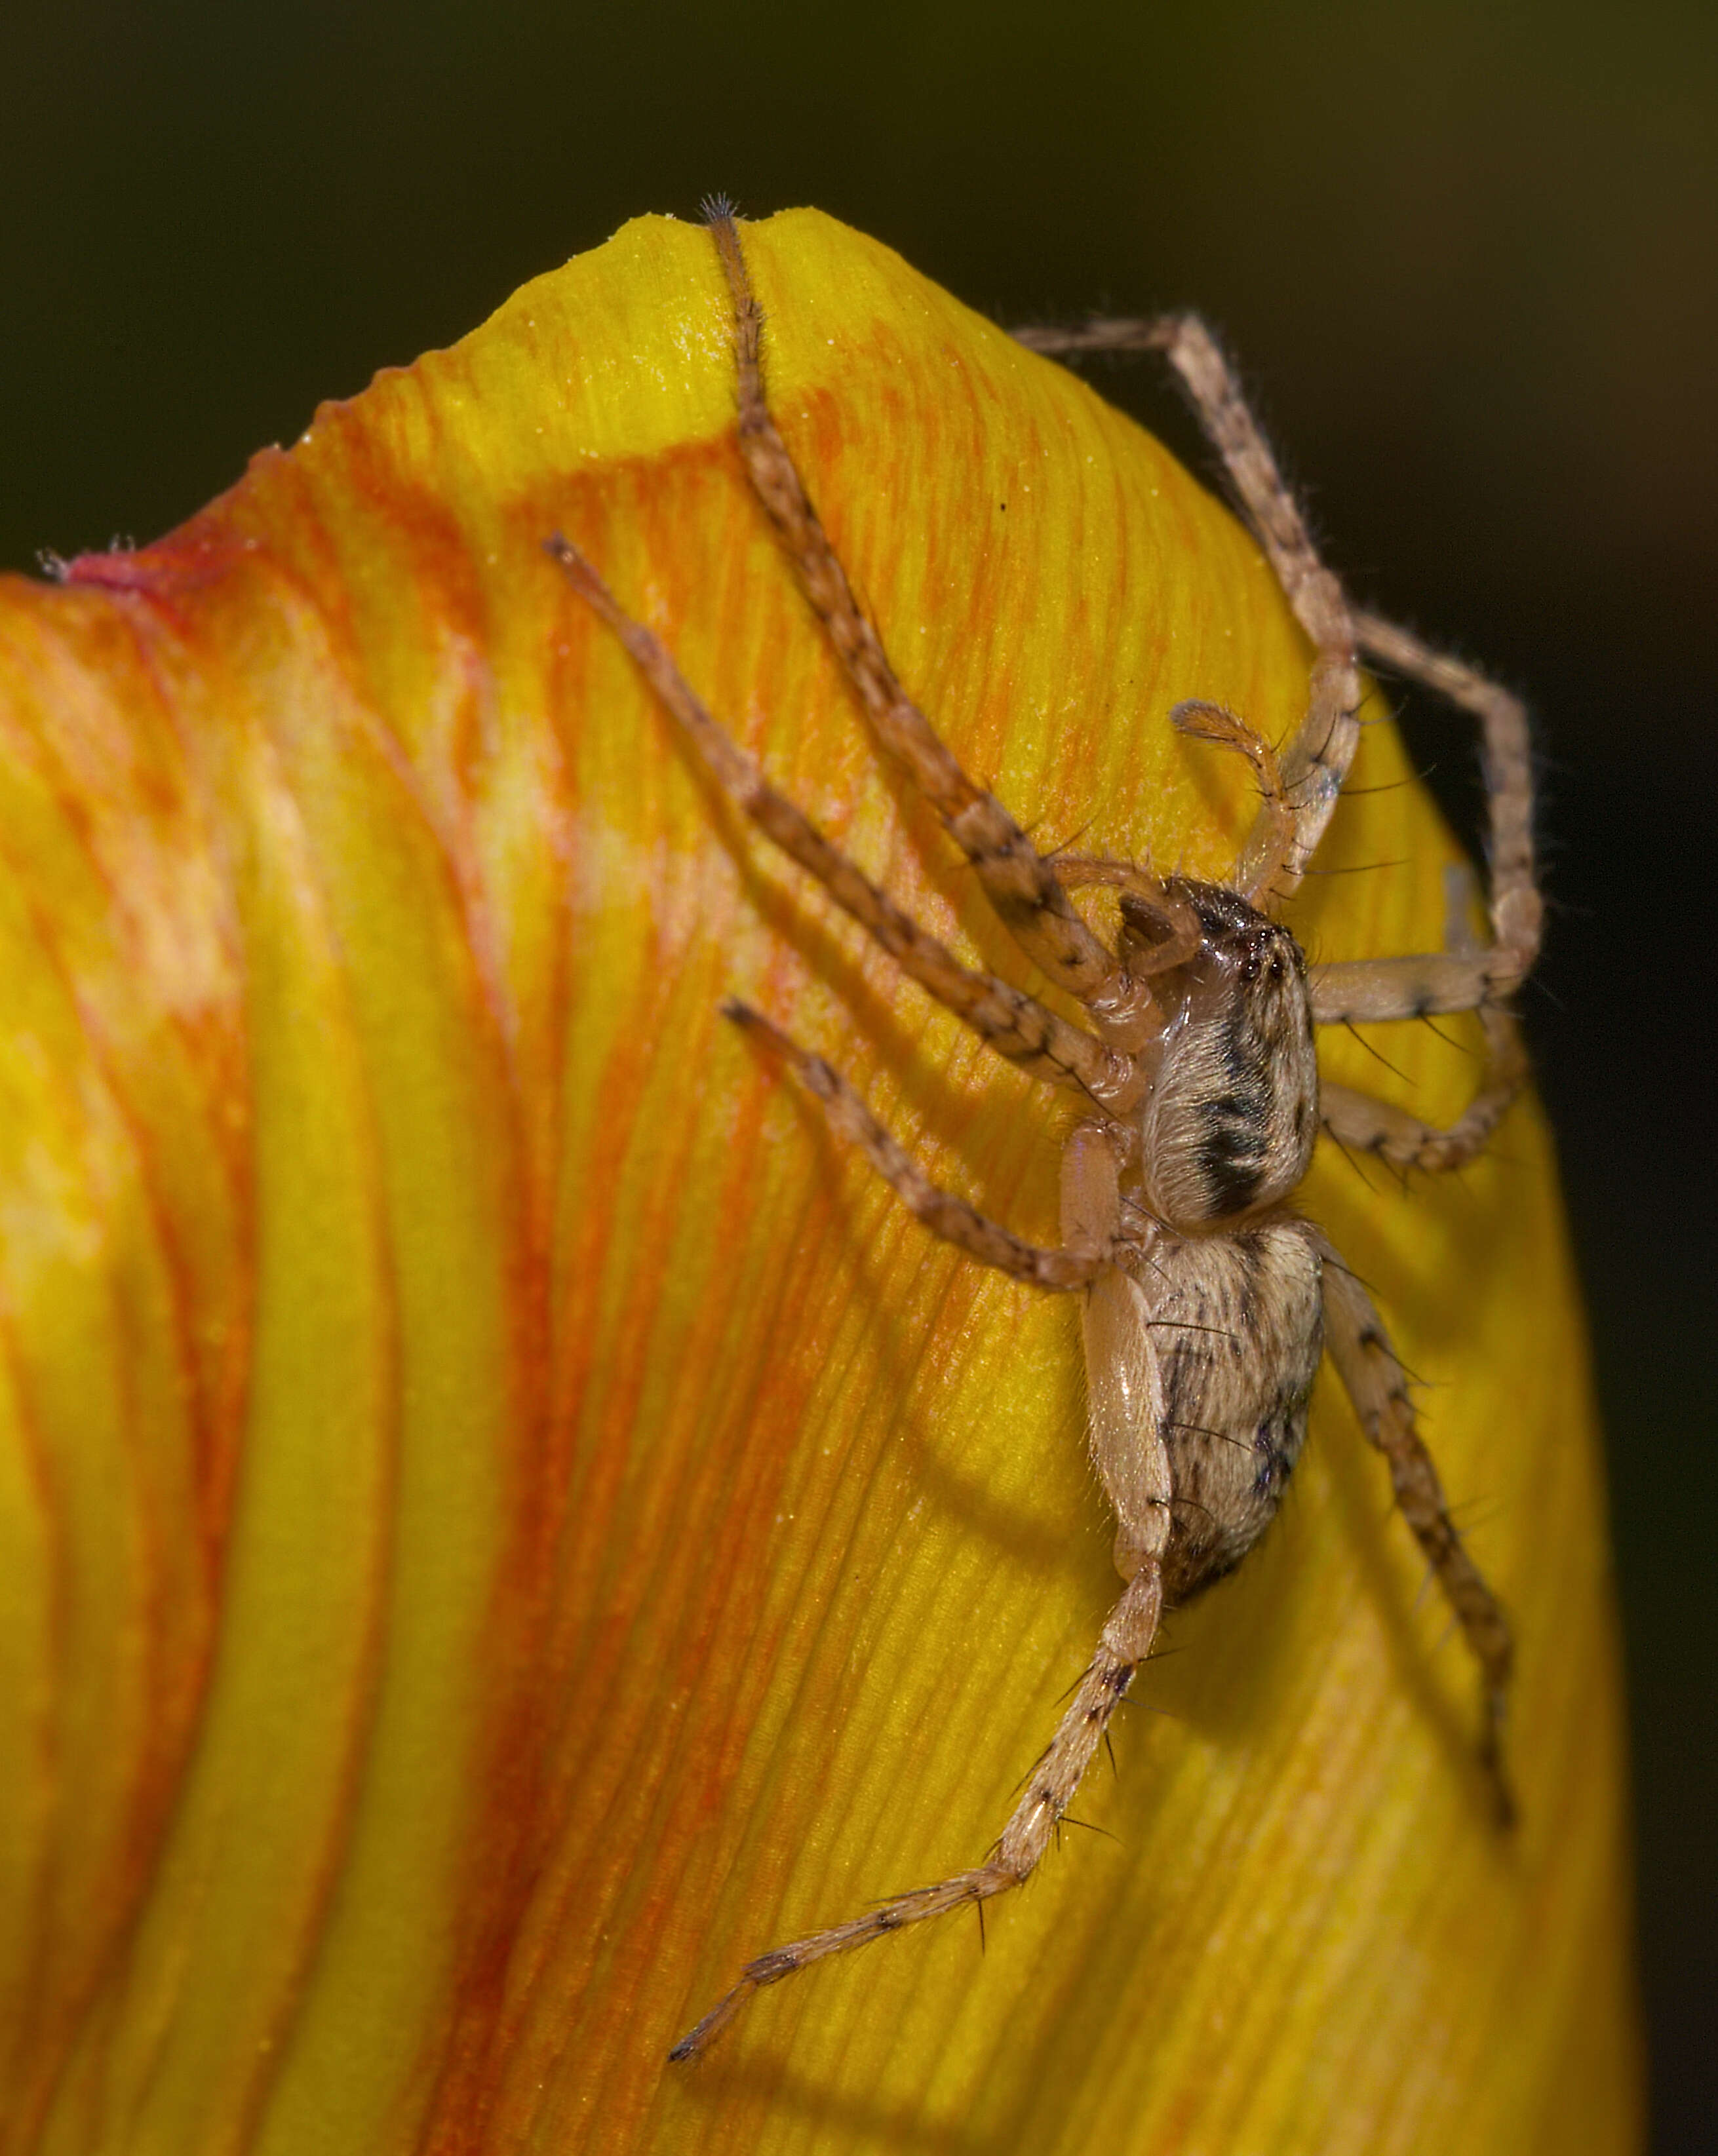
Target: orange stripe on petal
501,1519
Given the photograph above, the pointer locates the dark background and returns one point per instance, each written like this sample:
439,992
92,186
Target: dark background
1469,251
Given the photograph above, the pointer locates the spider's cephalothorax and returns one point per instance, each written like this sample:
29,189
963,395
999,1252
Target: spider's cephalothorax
1232,1114
1207,1301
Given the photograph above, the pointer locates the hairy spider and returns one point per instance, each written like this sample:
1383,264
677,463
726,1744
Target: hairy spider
1207,1301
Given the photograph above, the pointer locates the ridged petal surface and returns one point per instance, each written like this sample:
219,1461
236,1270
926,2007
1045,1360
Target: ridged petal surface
502,1518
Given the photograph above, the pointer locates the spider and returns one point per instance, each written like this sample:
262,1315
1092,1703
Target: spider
1208,1302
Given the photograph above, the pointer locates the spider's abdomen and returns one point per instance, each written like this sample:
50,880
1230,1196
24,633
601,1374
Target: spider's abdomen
1238,1327
1229,1126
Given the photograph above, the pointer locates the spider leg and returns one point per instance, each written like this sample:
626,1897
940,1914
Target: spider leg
1125,1642
1272,844
1377,1385
1516,907
944,1215
1128,1447
1464,975
1374,991
1317,759
1458,978
1365,1125
1010,1021
1021,886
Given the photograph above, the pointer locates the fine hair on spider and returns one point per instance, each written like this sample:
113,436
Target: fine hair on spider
1207,1301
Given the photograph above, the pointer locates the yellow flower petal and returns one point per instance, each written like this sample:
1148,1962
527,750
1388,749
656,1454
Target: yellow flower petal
502,1518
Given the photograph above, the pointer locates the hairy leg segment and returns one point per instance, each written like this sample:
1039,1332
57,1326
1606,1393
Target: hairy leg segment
1206,1301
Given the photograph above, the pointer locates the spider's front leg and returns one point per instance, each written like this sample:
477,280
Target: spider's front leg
1014,1023
1022,886
1466,974
1087,1249
1316,761
1364,1124
1407,987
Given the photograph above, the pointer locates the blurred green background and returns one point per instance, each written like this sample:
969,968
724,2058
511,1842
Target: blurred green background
1470,253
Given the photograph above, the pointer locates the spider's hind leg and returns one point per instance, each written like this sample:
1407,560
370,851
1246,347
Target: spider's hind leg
1125,1642
1377,1384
